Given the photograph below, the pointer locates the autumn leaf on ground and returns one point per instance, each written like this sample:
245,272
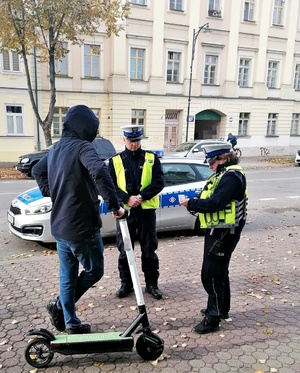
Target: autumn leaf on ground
269,331
276,281
98,364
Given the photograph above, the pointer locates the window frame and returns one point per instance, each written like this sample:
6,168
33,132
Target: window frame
176,5
139,2
272,74
297,77
207,73
244,119
278,12
136,59
272,124
14,116
62,61
91,61
245,71
249,10
295,125
214,8
172,72
11,56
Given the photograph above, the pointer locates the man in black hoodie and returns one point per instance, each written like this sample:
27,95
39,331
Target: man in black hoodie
73,175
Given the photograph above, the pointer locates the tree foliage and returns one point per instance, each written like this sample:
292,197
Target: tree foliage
43,25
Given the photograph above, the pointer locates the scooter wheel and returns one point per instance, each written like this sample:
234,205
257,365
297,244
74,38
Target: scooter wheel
149,346
38,353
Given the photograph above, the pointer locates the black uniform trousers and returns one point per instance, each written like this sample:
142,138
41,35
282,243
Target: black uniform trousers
215,272
142,227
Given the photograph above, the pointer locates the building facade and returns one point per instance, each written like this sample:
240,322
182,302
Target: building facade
186,69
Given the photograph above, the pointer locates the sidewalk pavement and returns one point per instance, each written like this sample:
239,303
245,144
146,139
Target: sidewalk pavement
262,334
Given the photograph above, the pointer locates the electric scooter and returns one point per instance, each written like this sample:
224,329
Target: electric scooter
40,350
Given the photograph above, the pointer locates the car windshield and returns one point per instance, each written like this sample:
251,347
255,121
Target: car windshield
184,147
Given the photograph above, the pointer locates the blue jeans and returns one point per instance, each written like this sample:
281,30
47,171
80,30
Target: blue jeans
72,285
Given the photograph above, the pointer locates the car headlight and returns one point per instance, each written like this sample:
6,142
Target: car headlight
25,160
41,209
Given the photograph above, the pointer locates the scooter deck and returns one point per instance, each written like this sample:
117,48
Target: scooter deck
67,344
90,337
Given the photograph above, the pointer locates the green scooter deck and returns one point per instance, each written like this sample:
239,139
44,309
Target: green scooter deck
91,343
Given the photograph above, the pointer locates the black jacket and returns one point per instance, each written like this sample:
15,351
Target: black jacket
73,175
133,164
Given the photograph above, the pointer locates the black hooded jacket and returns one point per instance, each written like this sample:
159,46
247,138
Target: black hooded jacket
73,175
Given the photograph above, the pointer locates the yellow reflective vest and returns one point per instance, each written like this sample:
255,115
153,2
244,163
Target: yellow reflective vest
231,215
146,180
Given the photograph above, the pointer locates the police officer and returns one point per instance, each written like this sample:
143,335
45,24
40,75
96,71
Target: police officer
222,211
138,178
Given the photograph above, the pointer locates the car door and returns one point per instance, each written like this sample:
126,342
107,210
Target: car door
181,180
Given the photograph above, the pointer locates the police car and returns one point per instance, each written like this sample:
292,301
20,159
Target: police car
29,213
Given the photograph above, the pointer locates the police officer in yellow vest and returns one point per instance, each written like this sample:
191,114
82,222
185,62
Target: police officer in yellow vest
138,177
222,212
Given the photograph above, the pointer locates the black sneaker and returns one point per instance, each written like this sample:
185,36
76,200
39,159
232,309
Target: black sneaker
82,329
207,326
224,316
56,315
124,291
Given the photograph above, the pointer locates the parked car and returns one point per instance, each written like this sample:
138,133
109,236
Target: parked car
29,213
193,148
25,162
297,158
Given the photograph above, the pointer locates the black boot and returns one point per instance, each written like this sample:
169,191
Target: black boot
124,290
154,291
207,326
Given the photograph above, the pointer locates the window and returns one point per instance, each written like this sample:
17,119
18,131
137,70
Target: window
139,2
176,5
295,124
278,12
137,57
58,119
138,117
243,80
11,61
297,77
176,174
14,120
214,8
249,10
91,61
243,124
173,67
61,67
272,121
210,69
272,74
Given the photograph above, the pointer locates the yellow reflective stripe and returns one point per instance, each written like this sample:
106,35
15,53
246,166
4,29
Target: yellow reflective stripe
152,203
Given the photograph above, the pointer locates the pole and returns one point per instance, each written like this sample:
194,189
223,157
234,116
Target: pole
195,36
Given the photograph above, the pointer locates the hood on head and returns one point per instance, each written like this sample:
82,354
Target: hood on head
81,122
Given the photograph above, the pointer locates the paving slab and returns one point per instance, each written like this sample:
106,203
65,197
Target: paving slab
262,334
